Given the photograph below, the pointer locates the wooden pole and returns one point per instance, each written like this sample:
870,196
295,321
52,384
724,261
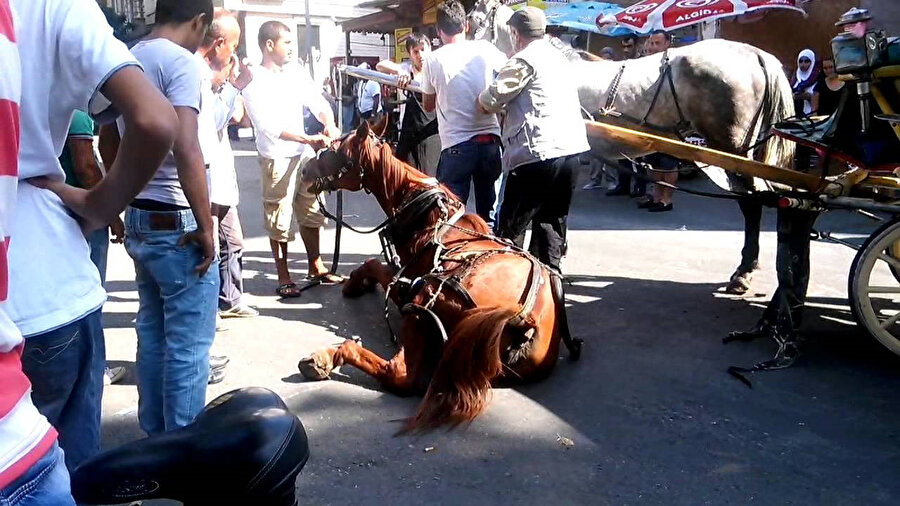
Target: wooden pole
732,163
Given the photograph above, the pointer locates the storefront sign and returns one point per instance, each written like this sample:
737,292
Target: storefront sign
400,36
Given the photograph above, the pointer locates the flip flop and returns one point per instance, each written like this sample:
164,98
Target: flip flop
288,291
327,279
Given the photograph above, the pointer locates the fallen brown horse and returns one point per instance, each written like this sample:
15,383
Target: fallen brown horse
476,309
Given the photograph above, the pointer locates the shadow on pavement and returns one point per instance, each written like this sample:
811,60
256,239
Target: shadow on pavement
653,415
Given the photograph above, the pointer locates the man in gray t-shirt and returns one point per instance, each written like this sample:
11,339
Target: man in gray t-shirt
169,234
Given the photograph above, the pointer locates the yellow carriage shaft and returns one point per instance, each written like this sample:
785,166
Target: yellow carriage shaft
732,163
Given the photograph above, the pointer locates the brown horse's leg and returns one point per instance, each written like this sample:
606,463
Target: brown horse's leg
390,373
364,278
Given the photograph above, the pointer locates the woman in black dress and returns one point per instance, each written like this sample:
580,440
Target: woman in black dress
829,90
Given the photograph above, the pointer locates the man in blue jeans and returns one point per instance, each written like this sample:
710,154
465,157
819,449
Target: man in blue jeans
79,163
169,232
55,293
453,77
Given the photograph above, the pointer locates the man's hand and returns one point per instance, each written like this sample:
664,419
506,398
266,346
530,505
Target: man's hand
74,198
403,80
204,240
318,141
244,78
332,132
117,229
480,107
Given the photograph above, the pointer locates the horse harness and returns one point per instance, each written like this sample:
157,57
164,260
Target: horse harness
683,129
404,223
489,20
440,276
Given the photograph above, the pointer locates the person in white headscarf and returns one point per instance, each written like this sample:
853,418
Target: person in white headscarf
804,81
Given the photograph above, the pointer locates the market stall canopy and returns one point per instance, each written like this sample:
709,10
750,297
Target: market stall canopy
583,16
392,14
650,15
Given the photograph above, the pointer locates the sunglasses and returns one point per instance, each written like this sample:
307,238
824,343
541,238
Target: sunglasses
805,60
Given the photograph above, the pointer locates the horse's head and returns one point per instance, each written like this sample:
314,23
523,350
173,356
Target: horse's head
342,165
488,21
478,19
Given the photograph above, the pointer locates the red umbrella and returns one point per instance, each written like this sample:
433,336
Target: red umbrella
649,15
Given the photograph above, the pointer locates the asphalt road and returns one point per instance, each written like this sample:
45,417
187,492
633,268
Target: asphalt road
647,416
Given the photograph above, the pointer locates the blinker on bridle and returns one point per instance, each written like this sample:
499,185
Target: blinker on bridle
337,164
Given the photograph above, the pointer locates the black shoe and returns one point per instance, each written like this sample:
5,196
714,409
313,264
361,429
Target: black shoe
647,204
617,191
637,193
659,207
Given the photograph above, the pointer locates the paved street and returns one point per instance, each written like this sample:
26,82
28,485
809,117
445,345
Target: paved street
652,414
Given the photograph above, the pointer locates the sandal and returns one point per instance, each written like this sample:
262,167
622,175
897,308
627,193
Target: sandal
329,278
288,290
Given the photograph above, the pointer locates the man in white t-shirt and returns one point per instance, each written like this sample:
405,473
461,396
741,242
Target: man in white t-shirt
31,461
454,76
218,53
55,294
368,100
275,101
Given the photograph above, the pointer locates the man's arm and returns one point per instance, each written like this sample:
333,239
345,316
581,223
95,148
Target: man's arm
108,145
268,119
84,164
429,101
321,109
389,67
429,93
376,102
512,79
151,128
192,176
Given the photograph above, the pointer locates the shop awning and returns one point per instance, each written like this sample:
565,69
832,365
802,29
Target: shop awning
392,14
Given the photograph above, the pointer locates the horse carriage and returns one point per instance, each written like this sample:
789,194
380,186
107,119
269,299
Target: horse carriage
863,157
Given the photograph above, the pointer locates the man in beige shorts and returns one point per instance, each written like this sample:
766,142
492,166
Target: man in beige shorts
275,100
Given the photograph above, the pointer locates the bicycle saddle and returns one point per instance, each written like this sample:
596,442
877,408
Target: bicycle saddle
245,447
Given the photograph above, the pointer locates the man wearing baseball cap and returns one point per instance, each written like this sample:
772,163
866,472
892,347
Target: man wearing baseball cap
542,134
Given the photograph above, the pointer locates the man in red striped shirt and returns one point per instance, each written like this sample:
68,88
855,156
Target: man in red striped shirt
30,458
52,35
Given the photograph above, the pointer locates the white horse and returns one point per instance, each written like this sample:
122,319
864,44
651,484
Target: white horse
728,92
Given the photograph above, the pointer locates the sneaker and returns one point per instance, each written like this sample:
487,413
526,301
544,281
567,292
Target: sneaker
113,375
219,326
592,185
239,311
215,376
218,361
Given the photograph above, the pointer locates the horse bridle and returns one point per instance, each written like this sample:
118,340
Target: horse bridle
488,21
331,158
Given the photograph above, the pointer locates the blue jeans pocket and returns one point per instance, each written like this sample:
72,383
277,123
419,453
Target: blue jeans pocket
43,349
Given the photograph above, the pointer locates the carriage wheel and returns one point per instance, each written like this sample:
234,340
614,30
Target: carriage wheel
874,286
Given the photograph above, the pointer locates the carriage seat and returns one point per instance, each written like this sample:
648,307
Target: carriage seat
244,448
815,131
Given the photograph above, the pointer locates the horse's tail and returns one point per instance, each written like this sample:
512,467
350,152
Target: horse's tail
778,106
459,388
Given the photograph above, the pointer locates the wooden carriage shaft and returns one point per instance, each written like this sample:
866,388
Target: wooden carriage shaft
727,161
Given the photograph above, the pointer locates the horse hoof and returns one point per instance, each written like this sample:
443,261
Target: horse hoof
316,367
353,289
739,284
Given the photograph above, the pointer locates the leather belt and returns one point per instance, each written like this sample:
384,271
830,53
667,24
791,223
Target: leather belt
485,139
